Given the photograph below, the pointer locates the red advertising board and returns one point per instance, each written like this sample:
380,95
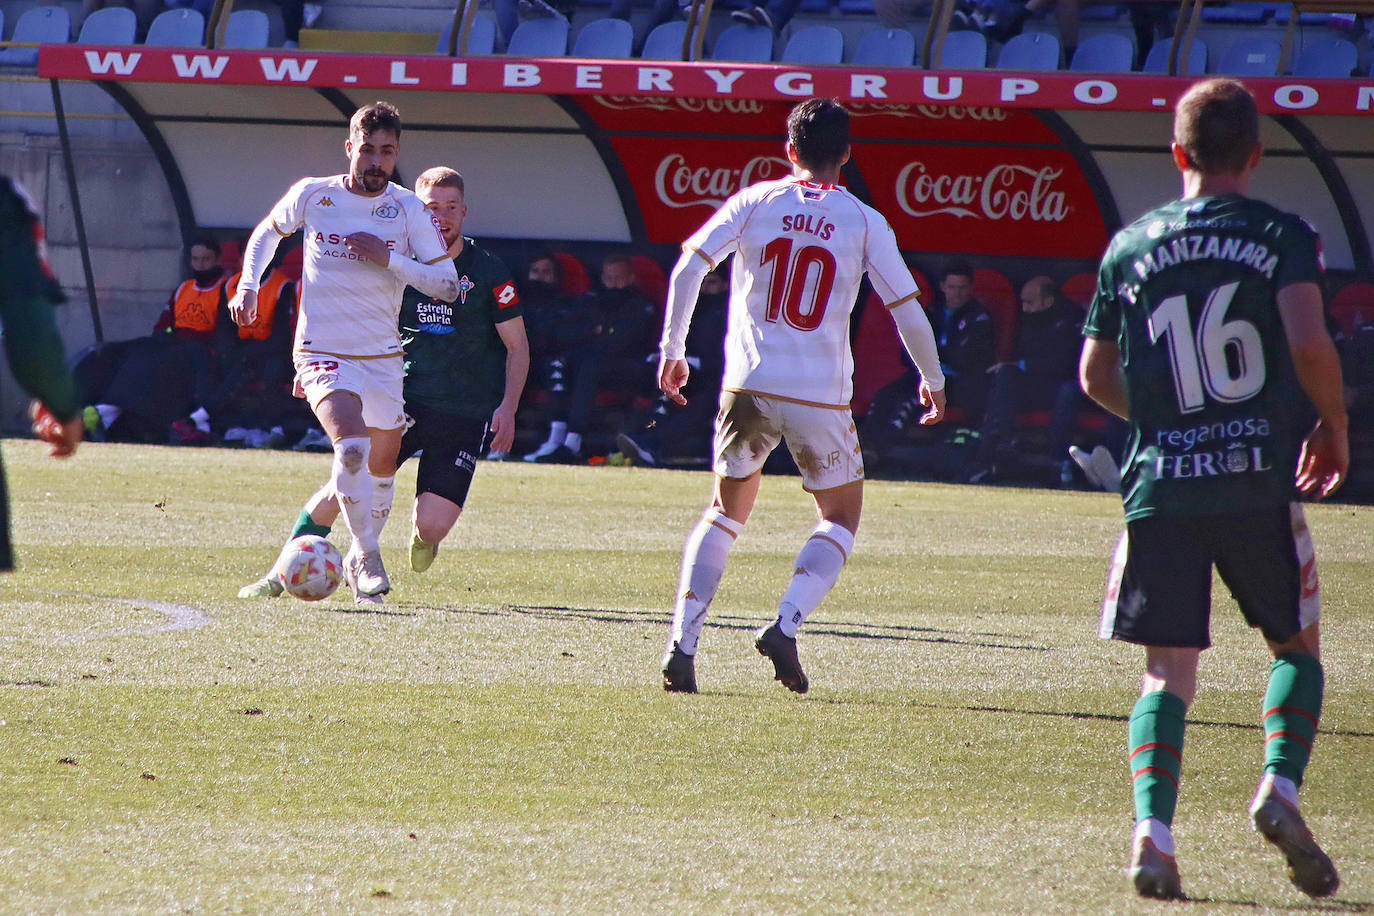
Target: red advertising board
984,199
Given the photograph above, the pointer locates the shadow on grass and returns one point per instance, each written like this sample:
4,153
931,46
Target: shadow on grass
842,630
1329,905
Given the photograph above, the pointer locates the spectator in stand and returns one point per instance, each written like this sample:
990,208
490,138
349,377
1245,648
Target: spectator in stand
775,14
554,325
1357,372
965,334
667,428
1041,375
611,344
197,319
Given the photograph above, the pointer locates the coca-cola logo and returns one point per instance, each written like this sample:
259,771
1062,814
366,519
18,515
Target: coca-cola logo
679,184
928,112
1005,192
695,106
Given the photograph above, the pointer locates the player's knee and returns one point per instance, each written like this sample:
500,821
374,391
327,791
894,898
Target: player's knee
432,531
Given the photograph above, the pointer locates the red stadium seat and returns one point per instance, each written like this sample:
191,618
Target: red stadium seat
575,280
877,353
650,279
1080,288
231,255
995,291
1353,305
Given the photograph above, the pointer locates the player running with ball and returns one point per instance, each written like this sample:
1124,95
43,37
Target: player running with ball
366,239
1205,332
801,246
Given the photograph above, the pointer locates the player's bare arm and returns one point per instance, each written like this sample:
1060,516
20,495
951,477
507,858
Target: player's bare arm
1099,374
512,334
1325,456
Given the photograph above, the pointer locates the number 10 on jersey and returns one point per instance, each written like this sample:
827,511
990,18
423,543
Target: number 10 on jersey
787,283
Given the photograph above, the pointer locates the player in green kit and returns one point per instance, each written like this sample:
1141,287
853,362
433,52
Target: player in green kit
1205,333
465,367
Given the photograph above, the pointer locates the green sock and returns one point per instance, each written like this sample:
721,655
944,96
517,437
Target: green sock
1292,707
306,525
1156,741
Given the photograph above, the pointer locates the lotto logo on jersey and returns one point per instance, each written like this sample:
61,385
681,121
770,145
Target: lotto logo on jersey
506,295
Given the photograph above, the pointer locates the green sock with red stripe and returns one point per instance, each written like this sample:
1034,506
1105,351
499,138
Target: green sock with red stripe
1292,708
1156,742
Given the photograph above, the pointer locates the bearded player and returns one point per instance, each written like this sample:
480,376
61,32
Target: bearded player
465,363
366,239
801,244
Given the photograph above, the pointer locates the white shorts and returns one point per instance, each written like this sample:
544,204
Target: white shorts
377,382
822,440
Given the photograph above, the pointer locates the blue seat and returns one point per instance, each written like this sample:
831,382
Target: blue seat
1157,61
664,42
1029,51
885,48
1250,57
177,29
481,37
964,50
544,37
1238,12
42,24
1104,53
605,38
747,43
246,29
110,25
1333,57
817,44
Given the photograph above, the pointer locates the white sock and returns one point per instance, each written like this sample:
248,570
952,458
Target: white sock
1285,787
383,492
108,414
353,486
1158,832
558,431
818,566
573,441
703,563
201,418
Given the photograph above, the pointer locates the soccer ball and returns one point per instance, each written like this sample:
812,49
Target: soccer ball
310,567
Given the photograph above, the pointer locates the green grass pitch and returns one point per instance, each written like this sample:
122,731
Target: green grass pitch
495,739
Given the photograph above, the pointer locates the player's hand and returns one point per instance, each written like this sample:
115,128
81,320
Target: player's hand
368,246
62,436
503,429
934,401
243,308
672,376
1323,461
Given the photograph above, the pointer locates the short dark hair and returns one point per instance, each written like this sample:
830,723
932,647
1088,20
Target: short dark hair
1216,124
617,257
957,269
205,239
377,116
819,131
546,255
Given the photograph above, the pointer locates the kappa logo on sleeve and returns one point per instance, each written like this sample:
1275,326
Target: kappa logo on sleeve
506,295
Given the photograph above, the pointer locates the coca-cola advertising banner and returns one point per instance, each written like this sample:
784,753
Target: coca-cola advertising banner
984,199
967,199
680,182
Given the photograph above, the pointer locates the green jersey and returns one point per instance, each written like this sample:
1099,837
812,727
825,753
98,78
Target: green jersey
455,360
1188,292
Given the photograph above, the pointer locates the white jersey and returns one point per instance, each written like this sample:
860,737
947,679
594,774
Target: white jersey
801,251
349,307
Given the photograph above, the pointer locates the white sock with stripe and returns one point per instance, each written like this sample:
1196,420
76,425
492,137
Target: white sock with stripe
818,566
703,563
383,493
353,485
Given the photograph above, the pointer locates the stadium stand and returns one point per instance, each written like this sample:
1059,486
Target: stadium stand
1157,60
575,279
1327,57
664,42
746,43
547,37
885,48
246,29
1079,288
36,26
177,29
113,25
1029,51
815,44
994,290
1106,52
963,51
1251,57
481,38
605,38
